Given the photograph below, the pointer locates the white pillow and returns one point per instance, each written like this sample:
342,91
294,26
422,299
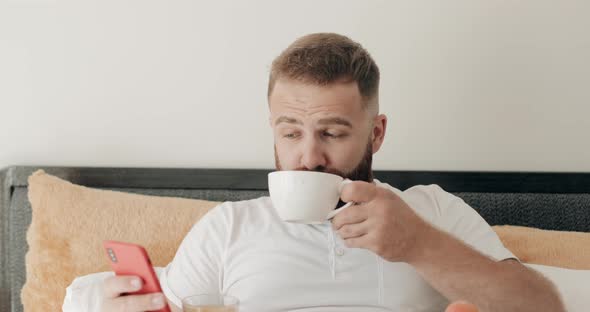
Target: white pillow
573,285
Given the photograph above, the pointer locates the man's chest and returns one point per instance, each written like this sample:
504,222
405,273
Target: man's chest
299,268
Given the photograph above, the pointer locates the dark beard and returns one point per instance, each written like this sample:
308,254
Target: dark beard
362,171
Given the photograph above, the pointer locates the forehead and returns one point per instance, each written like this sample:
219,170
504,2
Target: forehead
341,97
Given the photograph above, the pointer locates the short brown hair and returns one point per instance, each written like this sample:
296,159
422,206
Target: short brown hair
324,58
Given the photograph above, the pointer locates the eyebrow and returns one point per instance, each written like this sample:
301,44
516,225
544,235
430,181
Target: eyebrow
335,121
288,120
323,121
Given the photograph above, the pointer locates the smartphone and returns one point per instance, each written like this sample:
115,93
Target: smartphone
132,259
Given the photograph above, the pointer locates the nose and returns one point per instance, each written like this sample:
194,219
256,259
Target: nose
313,156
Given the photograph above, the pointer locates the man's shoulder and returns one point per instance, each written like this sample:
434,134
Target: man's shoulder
431,191
243,210
430,201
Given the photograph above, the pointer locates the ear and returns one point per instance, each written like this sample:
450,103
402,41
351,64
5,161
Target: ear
378,131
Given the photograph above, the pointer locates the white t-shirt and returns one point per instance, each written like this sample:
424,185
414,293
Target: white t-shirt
244,250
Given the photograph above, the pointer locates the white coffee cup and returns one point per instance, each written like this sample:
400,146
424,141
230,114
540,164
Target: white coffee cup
306,196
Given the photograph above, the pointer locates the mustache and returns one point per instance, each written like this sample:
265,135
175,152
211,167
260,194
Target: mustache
361,172
322,169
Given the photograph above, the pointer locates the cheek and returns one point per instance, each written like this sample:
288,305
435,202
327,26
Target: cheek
287,155
346,155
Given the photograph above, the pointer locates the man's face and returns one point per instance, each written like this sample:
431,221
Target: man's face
324,128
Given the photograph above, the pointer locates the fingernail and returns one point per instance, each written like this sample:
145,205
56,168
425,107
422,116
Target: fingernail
158,300
135,283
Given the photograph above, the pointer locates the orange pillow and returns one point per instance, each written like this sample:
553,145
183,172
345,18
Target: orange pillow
69,223
554,248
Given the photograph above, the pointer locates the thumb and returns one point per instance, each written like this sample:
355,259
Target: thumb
461,306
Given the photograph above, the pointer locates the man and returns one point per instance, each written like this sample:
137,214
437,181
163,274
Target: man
393,251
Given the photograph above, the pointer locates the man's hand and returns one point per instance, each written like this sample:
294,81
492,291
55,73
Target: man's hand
461,306
380,221
383,223
113,301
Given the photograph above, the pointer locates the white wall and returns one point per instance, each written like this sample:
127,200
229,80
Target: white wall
467,85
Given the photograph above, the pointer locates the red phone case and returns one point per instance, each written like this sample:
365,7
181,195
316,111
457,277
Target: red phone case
132,259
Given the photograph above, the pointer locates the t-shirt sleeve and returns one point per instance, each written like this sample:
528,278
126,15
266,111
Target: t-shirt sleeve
462,221
198,263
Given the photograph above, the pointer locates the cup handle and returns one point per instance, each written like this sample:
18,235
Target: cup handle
336,211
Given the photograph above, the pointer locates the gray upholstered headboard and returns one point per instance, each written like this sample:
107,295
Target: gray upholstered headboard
558,201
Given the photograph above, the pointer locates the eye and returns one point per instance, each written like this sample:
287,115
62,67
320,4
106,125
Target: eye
290,135
333,135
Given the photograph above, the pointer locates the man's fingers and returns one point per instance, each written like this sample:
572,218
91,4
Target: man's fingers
358,192
139,303
350,215
114,286
461,306
358,242
353,230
